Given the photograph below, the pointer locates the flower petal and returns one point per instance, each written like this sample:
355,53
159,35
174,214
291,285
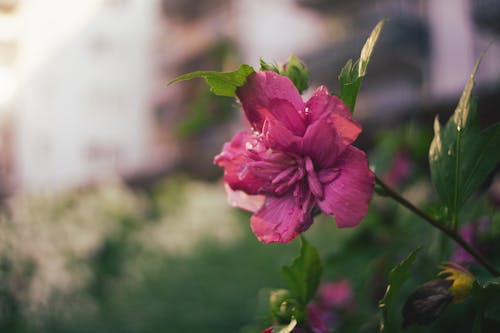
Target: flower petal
324,107
235,160
321,102
277,136
269,95
240,199
348,195
322,144
280,219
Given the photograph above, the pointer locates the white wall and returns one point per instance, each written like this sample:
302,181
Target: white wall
82,111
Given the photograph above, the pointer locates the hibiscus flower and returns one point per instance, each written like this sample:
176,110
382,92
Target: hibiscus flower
295,158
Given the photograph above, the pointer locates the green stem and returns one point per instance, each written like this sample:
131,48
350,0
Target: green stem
448,231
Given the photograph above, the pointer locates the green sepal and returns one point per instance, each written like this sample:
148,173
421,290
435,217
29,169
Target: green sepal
221,83
265,66
297,72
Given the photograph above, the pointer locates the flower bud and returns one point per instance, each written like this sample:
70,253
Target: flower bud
297,72
294,69
427,303
281,307
461,280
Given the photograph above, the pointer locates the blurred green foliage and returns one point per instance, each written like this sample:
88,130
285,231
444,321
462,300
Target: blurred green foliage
177,258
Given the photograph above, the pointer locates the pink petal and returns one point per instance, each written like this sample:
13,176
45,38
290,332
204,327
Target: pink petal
322,102
285,112
324,107
313,181
268,164
234,159
347,128
240,199
269,95
322,144
280,219
277,136
348,195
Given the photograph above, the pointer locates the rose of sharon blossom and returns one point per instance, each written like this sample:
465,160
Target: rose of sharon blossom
296,156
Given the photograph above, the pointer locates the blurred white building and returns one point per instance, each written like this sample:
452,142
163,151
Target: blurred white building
83,73
82,81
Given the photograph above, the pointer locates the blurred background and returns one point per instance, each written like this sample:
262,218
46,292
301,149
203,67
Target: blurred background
113,216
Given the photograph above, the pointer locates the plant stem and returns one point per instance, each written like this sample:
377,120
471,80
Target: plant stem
436,224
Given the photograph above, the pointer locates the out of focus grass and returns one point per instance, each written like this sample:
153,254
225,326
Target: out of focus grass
176,259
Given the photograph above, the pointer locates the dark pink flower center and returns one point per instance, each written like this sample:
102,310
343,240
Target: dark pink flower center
289,173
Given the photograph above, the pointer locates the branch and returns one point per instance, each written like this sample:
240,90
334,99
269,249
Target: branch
436,224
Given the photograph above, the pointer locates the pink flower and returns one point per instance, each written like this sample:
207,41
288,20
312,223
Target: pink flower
297,156
332,296
321,319
400,169
335,294
470,233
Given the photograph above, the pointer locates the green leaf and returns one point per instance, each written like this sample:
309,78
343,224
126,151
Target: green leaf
461,155
487,302
397,276
487,297
303,275
350,83
478,322
352,73
367,50
221,83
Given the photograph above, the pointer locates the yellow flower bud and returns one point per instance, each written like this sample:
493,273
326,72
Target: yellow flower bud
460,278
